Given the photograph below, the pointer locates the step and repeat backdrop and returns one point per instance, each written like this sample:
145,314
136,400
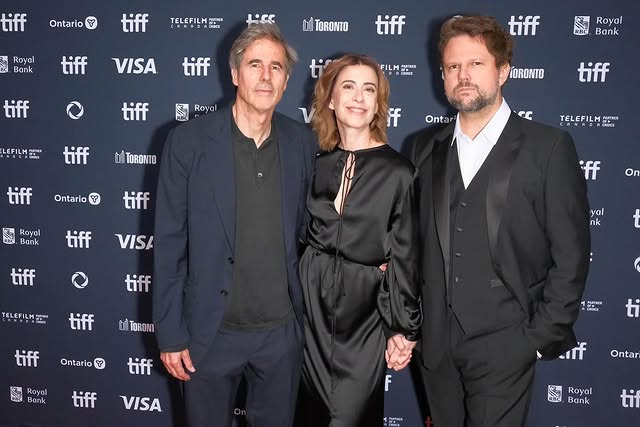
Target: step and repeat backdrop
89,91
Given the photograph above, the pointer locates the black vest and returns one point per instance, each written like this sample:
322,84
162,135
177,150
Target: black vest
478,298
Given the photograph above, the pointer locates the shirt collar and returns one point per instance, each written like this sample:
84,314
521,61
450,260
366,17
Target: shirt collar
492,130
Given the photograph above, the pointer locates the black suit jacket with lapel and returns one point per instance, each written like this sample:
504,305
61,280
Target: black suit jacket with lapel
538,226
195,225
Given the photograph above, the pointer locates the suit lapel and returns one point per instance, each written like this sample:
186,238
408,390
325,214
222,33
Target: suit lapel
219,154
441,192
289,164
507,149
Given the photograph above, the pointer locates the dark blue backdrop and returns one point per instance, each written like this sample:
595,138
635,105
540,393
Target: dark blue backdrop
88,92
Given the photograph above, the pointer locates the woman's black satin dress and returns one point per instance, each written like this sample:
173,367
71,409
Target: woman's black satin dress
348,298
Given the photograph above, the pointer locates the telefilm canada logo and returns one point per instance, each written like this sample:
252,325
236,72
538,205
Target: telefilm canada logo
20,153
24,318
398,70
195,23
605,121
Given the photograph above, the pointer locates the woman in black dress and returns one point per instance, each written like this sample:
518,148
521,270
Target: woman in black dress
363,220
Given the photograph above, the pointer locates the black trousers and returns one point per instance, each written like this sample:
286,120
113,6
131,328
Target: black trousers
270,361
482,380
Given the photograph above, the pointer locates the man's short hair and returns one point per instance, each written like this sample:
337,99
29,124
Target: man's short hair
257,32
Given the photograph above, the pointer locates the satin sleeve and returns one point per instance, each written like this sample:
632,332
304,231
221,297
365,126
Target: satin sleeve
399,300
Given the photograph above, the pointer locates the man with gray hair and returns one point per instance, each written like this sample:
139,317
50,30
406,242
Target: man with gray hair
227,299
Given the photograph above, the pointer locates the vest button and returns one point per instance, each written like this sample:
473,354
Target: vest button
458,254
463,204
459,229
456,279
230,259
224,292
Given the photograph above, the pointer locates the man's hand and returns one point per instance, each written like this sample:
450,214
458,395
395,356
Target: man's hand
176,362
398,352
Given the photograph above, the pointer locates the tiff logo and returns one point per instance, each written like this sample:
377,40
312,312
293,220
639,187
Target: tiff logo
576,353
265,18
75,155
136,200
135,23
196,66
13,22
138,283
22,276
636,218
136,111
140,366
78,239
16,109
84,399
593,72
27,358
318,67
633,307
74,64
19,195
523,24
81,322
630,398
390,24
590,168
392,117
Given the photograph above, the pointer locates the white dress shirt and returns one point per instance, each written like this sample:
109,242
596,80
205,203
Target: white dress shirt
473,152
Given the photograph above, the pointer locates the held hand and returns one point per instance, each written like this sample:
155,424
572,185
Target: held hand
176,362
383,267
398,352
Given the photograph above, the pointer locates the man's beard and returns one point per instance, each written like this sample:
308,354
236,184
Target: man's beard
471,105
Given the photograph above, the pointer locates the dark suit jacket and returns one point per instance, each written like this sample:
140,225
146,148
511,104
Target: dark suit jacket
538,225
195,225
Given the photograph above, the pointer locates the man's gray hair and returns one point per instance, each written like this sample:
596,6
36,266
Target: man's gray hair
256,32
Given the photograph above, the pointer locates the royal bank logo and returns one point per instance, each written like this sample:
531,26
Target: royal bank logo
135,111
127,325
390,24
135,65
196,23
19,195
182,112
13,22
261,18
23,237
134,22
15,393
602,25
524,25
20,153
89,23
402,70
596,216
138,283
79,279
24,318
526,73
92,199
633,308
196,66
554,393
22,276
16,108
74,64
630,398
314,24
125,157
590,168
589,120
581,25
393,115
317,66
17,64
75,110
84,399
